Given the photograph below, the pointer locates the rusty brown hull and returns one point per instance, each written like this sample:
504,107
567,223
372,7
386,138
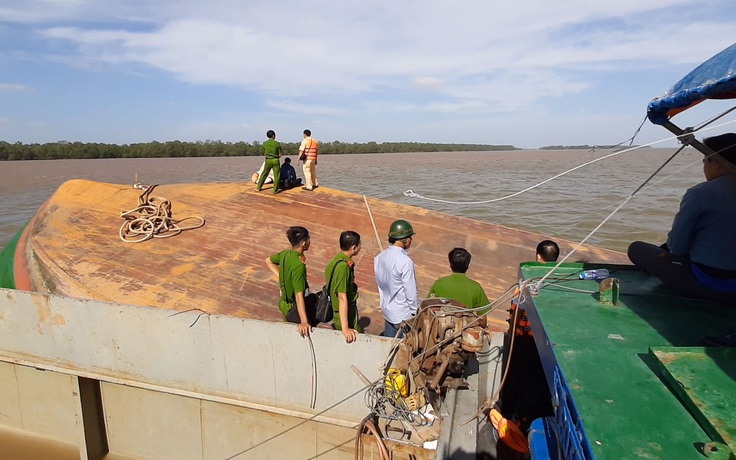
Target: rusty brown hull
72,247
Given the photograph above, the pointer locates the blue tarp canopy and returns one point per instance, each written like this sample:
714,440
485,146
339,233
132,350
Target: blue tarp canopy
713,79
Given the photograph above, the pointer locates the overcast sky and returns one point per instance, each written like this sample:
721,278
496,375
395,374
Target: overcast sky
527,73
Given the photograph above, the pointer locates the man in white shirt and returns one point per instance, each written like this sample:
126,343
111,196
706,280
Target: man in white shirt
396,279
308,154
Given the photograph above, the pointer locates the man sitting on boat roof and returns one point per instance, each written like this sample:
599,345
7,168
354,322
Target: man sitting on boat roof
699,258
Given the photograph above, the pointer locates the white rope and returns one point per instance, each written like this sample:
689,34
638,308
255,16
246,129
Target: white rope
373,222
623,203
313,401
413,194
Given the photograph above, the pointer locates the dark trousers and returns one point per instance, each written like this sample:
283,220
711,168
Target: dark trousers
674,271
390,329
310,305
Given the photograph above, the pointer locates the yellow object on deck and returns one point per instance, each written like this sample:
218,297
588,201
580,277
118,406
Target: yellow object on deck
397,381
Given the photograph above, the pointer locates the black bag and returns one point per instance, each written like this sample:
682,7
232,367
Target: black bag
324,312
303,156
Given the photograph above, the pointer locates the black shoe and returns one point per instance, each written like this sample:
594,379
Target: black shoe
727,340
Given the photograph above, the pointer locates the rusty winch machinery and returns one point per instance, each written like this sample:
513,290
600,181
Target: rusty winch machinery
429,359
440,340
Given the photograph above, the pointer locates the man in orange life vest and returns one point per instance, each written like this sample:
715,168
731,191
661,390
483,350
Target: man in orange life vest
308,154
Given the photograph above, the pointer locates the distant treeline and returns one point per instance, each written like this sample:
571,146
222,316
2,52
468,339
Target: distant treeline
80,150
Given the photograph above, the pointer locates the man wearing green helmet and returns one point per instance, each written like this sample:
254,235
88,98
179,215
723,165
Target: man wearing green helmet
396,279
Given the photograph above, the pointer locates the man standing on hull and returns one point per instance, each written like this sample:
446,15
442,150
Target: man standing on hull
272,151
308,154
396,279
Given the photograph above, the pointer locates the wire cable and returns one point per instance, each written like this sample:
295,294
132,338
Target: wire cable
413,194
623,203
351,395
313,401
373,222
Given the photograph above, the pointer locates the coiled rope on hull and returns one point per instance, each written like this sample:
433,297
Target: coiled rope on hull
152,218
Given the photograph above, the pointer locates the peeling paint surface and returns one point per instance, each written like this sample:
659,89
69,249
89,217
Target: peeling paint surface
74,249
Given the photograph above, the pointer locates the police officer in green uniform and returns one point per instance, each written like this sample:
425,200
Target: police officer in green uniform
289,266
272,151
458,286
340,276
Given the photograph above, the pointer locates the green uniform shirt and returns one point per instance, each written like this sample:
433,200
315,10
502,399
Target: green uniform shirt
461,288
292,277
271,150
343,280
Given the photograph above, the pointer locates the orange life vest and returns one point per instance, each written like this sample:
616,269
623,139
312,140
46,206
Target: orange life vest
522,326
310,150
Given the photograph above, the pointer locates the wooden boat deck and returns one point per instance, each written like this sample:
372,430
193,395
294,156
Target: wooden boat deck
71,247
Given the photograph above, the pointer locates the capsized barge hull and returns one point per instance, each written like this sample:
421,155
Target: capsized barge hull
71,247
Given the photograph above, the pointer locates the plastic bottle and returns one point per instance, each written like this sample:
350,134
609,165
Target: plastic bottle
597,274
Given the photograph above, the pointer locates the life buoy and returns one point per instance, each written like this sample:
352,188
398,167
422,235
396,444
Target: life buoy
508,432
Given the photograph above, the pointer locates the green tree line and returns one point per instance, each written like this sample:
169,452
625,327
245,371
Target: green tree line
80,150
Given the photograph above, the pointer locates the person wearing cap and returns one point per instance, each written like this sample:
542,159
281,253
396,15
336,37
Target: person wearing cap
396,278
699,257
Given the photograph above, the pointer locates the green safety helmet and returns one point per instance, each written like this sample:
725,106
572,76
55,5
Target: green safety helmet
400,229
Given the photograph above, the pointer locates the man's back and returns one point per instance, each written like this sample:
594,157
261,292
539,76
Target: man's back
703,227
271,149
461,288
396,282
287,172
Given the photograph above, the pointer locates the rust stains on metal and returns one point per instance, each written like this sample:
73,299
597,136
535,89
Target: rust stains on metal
220,268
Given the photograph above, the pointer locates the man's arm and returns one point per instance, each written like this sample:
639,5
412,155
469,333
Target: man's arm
680,237
409,280
301,307
350,334
272,266
432,291
483,300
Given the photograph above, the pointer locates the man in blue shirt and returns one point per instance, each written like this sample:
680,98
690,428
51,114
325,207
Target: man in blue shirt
288,175
396,279
699,258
